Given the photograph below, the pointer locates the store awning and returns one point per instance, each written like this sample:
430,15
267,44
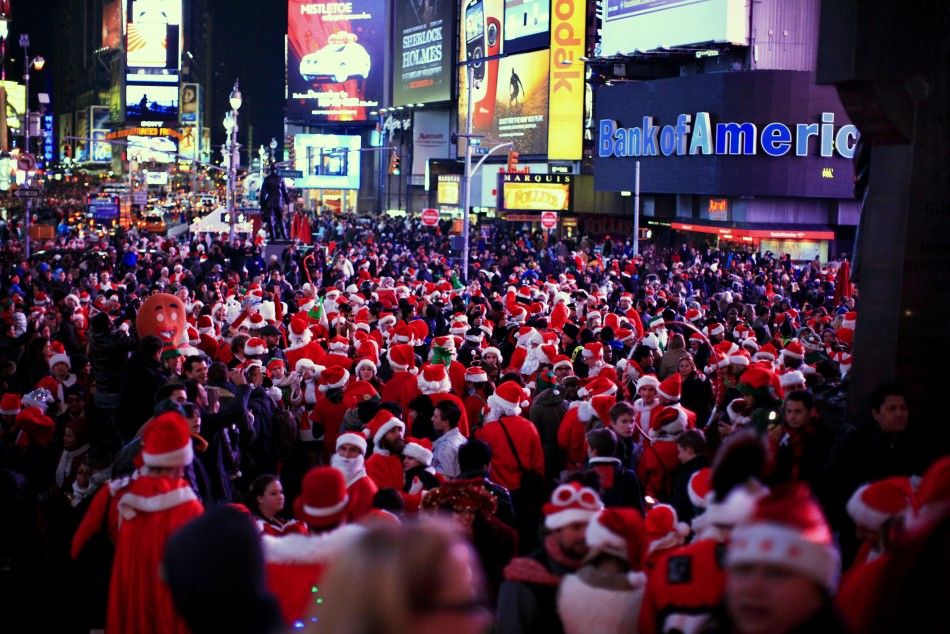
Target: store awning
760,231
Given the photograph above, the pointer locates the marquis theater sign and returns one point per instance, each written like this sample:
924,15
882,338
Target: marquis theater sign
762,133
536,192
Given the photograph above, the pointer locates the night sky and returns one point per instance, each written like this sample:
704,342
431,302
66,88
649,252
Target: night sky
248,44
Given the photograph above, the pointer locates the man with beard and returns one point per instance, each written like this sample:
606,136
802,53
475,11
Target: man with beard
349,459
385,465
527,598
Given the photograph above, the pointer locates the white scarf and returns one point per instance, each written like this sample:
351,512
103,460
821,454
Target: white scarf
352,468
65,465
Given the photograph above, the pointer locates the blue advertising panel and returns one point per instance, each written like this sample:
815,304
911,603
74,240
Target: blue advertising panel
736,134
335,59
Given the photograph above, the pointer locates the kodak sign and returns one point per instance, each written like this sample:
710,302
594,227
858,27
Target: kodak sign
566,118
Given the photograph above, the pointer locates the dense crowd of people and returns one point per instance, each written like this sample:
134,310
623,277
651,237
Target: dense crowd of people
346,436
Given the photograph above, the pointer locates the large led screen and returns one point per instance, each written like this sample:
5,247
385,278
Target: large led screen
328,161
423,59
151,102
151,149
335,58
646,25
154,35
510,102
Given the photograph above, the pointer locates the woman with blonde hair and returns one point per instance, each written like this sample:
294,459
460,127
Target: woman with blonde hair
420,578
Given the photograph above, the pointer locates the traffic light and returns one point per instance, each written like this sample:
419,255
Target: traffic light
394,163
290,152
512,161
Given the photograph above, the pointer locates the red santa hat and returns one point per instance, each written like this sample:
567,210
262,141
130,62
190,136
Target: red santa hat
794,350
256,321
381,424
699,487
509,398
358,392
402,358
334,377
10,404
671,388
255,347
340,345
476,374
875,503
349,438
602,405
739,358
693,315
205,325
618,532
308,364
492,350
562,360
420,449
434,379
323,497
166,441
788,530
571,503
932,497
846,330
365,362
766,352
597,386
299,331
793,377
713,329
663,528
594,349
669,420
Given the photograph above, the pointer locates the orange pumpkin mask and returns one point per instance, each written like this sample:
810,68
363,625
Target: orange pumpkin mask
162,315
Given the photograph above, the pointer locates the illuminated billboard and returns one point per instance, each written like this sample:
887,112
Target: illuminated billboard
566,125
151,149
510,102
328,161
423,55
16,103
335,57
536,192
151,102
99,120
112,24
527,23
190,102
646,25
154,36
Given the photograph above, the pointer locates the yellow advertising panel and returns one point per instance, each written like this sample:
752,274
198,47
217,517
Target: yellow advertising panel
447,189
566,120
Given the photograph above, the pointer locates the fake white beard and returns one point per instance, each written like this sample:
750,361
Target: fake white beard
352,468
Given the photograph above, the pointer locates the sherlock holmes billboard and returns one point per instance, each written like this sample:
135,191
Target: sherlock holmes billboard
762,133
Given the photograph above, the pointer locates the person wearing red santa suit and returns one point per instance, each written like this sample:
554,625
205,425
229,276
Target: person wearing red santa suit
295,563
571,433
401,387
664,532
877,509
302,345
593,355
307,390
349,459
265,500
606,594
385,465
647,386
669,393
659,457
60,376
328,411
435,383
686,583
152,508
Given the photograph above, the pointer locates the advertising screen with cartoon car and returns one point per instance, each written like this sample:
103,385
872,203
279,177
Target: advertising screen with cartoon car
335,53
510,92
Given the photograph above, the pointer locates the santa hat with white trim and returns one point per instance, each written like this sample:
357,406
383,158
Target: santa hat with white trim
664,530
671,388
323,497
420,449
255,347
476,374
381,424
434,379
618,532
875,503
788,379
402,358
699,487
599,385
349,438
10,404
334,377
509,398
571,503
648,380
166,441
788,530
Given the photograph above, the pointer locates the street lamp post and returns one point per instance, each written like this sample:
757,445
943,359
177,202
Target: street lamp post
232,128
272,146
37,62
